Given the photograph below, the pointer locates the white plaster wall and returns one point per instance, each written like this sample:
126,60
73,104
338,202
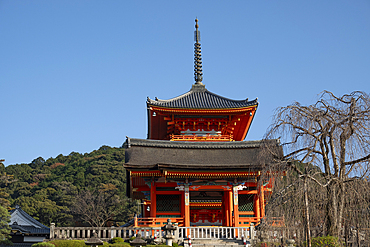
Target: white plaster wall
33,239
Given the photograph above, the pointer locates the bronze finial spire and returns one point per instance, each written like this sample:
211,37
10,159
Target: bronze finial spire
198,74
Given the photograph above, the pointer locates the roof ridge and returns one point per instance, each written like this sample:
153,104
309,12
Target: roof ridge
166,100
200,98
29,217
223,97
198,145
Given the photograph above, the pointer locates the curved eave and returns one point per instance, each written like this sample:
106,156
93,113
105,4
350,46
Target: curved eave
213,95
202,111
200,98
161,101
203,174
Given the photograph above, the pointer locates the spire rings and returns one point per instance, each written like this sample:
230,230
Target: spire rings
198,74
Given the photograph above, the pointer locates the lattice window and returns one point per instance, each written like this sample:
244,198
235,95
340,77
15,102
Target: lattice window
245,202
168,203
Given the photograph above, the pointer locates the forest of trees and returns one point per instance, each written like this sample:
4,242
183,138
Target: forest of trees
49,190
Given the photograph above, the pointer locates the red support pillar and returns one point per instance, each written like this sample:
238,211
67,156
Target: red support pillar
262,201
230,197
225,210
187,206
257,208
153,200
236,208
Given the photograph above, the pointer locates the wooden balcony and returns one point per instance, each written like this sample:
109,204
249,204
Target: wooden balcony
202,138
156,222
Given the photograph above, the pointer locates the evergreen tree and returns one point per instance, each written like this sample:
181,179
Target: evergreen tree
47,189
4,225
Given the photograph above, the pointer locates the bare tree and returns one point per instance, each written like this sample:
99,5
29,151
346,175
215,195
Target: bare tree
332,134
296,202
97,206
357,211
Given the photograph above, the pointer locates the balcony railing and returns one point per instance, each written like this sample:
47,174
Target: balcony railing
202,138
155,222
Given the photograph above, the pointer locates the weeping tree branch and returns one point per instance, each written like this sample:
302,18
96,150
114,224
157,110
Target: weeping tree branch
332,136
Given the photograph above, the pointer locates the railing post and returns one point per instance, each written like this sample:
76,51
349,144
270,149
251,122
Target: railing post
253,233
177,234
52,227
135,221
114,233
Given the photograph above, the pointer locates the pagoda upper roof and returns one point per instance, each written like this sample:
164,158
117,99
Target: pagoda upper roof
200,98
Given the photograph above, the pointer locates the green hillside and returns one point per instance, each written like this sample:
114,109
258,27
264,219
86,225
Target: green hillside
48,189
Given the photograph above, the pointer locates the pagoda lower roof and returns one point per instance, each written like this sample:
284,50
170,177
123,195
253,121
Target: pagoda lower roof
200,98
157,155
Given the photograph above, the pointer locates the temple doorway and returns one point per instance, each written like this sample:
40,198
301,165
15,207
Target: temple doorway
206,208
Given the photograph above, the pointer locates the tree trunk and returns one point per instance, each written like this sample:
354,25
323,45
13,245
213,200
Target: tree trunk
332,210
342,192
346,233
308,230
358,235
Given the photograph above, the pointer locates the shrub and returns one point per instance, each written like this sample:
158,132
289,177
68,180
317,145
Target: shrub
43,244
159,245
132,238
120,244
68,243
117,240
71,243
327,241
175,244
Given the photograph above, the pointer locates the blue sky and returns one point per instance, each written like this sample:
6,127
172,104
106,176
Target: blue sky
74,75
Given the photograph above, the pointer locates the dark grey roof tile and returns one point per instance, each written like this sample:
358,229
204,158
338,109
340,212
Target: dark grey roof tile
198,145
28,217
30,229
200,98
18,245
153,154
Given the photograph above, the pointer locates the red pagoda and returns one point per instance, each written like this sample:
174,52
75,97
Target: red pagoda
195,166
